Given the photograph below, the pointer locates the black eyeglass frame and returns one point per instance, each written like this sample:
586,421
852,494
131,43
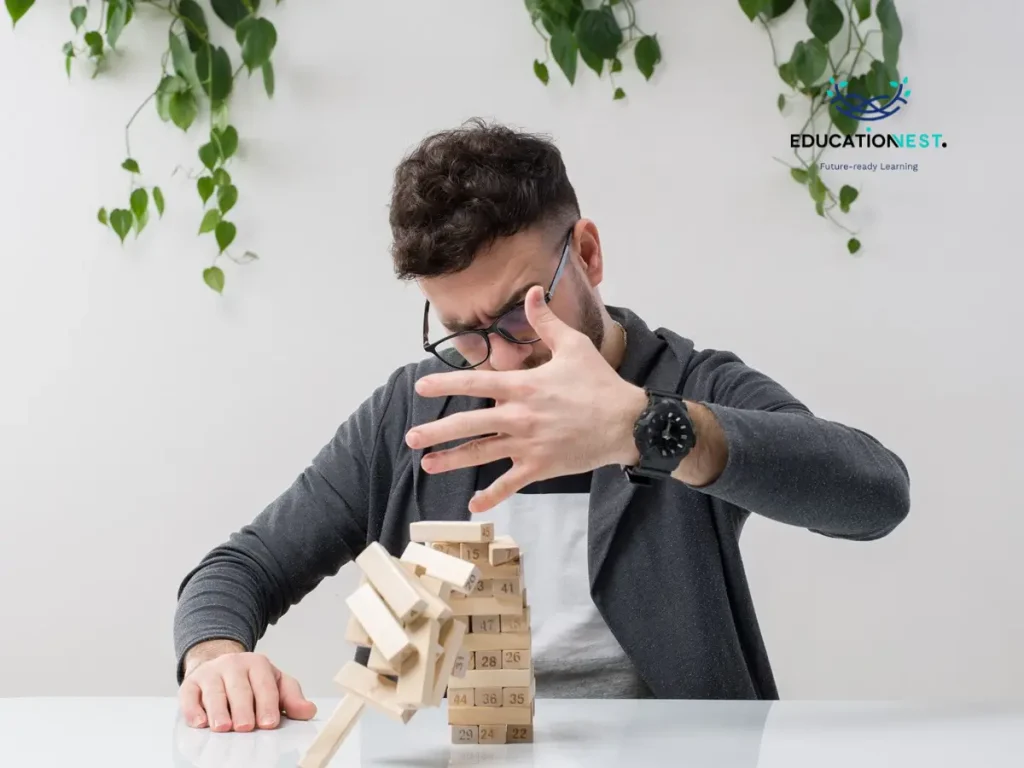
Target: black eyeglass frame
431,347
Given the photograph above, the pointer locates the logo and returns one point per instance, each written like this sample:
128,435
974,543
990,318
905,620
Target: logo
860,107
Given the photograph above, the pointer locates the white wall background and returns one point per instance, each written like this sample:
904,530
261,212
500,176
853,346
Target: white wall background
142,418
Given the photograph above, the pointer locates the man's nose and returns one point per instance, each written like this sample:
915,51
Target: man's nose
506,356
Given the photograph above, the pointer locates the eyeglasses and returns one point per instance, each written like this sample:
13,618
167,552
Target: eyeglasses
469,349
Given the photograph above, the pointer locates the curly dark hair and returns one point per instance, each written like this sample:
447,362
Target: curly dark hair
463,188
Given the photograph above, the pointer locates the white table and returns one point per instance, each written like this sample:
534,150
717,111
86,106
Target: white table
148,733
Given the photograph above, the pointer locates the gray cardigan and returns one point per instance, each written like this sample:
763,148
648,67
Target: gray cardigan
664,561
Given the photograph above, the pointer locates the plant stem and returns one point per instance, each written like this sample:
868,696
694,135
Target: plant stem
128,126
771,40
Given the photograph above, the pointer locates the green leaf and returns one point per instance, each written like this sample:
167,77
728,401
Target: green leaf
878,78
751,7
565,50
592,60
598,31
892,31
853,245
809,60
210,221
260,39
619,94
788,73
225,234
781,102
776,8
540,69
183,109
863,8
247,257
815,185
214,277
101,215
140,222
121,221
131,166
233,11
616,64
209,155
819,208
95,42
227,197
824,19
139,202
78,15
67,63
219,115
648,53
799,175
158,200
205,188
184,61
169,85
847,195
195,24
117,17
268,79
227,140
18,8
846,125
221,177
213,67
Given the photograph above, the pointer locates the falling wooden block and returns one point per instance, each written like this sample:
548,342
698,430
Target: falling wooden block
462,575
391,582
493,734
416,683
490,715
334,732
380,624
450,637
435,607
375,690
501,550
437,587
451,531
461,665
466,734
355,634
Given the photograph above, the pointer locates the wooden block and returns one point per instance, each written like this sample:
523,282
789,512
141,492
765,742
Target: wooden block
505,641
487,697
516,697
451,531
450,637
497,678
504,587
472,659
416,683
355,634
516,624
380,624
490,659
465,734
334,732
461,665
391,582
485,624
380,665
482,606
437,587
447,548
377,691
515,659
502,550
520,734
411,568
460,697
493,734
513,570
435,606
462,575
490,715
482,588
474,553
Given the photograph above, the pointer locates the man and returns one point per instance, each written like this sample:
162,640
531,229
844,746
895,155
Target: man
622,459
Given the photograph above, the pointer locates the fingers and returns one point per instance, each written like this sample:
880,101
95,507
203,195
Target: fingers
295,705
549,326
475,383
486,421
505,486
190,701
471,454
263,678
215,702
240,697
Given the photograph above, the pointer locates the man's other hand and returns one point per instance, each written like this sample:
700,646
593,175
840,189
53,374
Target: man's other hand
226,688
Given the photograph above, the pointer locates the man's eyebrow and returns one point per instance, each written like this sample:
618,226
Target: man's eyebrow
455,326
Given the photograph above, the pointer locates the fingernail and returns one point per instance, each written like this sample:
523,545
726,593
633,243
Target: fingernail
198,720
267,720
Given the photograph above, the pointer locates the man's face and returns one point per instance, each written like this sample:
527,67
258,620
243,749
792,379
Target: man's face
499,277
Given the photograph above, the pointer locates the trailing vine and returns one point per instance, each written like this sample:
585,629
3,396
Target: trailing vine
197,78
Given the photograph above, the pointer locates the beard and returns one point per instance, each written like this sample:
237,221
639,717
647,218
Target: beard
591,326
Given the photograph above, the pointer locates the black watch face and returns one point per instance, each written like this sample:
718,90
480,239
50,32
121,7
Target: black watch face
668,432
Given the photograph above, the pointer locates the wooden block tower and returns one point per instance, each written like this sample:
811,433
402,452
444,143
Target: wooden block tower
491,692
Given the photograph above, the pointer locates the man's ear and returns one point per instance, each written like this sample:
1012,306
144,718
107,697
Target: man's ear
588,248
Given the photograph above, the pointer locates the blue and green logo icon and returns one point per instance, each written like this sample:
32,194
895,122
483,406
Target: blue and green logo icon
859,107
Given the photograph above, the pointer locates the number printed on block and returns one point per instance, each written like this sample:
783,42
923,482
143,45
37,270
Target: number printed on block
504,587
488,659
475,553
515,659
487,697
465,734
486,624
521,734
511,622
460,697
493,734
482,589
515,697
448,549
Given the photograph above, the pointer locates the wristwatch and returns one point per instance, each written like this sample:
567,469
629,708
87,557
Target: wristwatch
663,434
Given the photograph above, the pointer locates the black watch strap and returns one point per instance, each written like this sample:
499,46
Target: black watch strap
645,473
